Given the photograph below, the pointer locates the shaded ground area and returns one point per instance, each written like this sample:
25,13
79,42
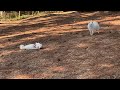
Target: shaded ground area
69,52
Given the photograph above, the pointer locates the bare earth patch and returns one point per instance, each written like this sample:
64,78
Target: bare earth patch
69,52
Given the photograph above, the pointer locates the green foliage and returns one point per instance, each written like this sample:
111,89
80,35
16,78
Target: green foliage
16,15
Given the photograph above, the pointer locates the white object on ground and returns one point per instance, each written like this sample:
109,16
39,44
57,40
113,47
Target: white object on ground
93,26
31,46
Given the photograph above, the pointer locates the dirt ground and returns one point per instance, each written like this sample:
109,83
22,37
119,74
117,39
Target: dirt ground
69,52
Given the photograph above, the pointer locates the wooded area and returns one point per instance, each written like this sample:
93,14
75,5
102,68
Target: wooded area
4,15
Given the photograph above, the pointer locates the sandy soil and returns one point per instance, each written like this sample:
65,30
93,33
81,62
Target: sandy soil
69,52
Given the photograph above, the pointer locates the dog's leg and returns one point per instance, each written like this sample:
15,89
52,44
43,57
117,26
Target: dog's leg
91,32
98,31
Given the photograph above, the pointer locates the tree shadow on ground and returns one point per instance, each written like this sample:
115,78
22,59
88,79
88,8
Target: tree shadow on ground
59,20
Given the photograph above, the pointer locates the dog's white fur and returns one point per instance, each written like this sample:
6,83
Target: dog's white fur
93,26
31,46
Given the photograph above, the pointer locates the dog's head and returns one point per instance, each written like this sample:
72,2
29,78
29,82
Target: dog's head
38,45
21,46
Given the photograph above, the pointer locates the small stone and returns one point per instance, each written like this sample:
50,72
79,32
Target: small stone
59,59
9,39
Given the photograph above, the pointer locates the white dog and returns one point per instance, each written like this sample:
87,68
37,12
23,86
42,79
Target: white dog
31,46
93,26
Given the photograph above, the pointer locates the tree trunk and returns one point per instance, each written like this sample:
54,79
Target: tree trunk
4,14
32,12
1,13
19,15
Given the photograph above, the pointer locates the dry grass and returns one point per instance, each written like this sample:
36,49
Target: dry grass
69,52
